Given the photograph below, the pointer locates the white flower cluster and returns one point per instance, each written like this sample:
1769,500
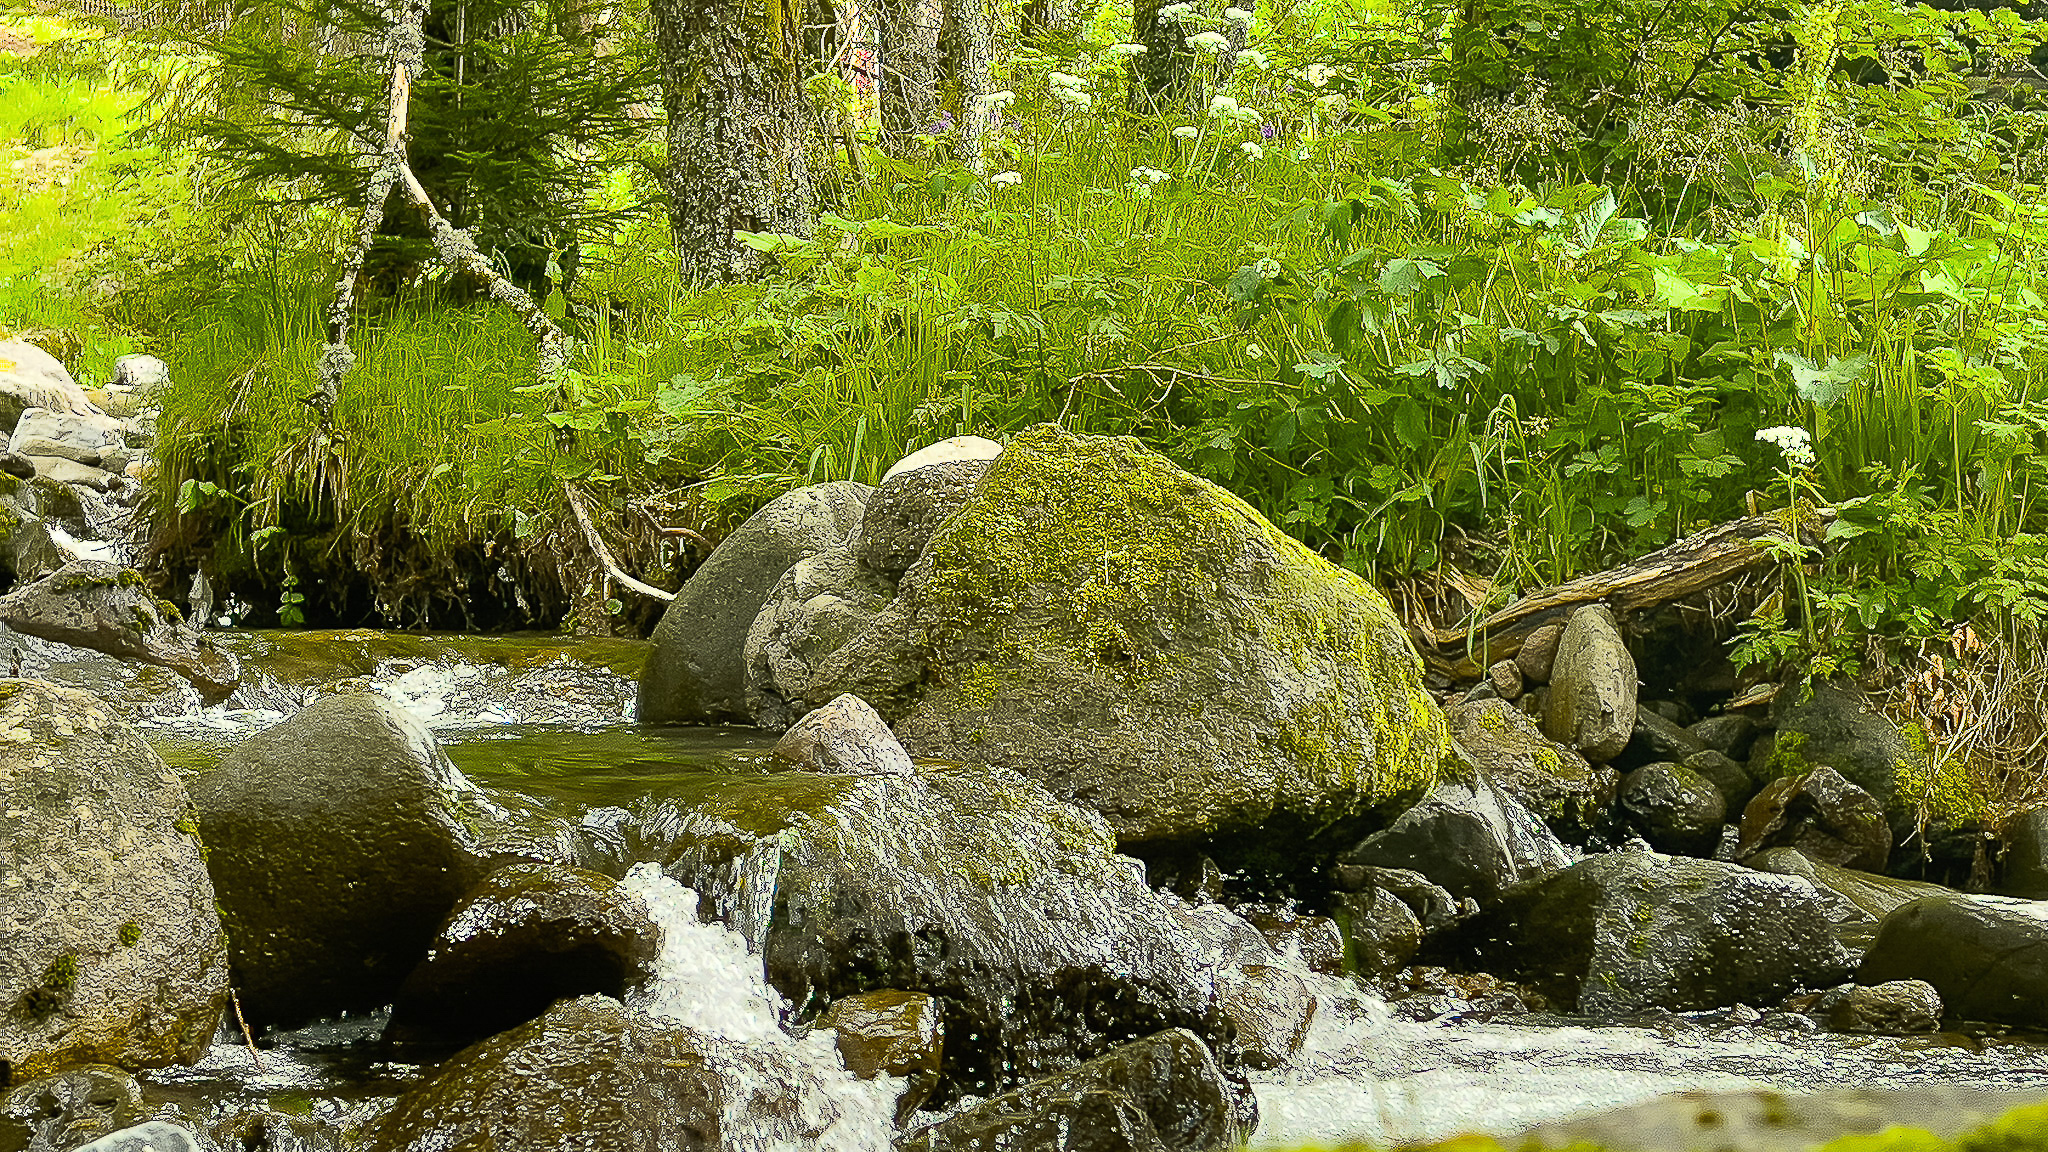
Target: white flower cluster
1070,90
1186,132
995,101
1214,43
1143,180
1128,49
1255,58
1795,443
1242,17
1006,180
1227,109
1318,75
1252,150
1175,13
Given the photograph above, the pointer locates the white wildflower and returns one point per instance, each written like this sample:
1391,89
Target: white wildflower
1252,150
1241,17
1175,13
1318,75
1214,43
1186,132
1254,352
1222,106
1074,98
1128,49
1334,103
1255,58
1006,179
1065,80
1795,443
995,100
1143,180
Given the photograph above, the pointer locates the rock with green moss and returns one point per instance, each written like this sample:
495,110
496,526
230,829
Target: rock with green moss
70,1108
697,672
339,840
1840,727
1986,955
1755,1120
93,840
1629,932
1551,781
1821,814
1144,643
1676,809
1473,839
107,608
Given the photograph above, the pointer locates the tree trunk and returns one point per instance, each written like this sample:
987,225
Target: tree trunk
1163,78
908,58
739,131
966,49
1045,19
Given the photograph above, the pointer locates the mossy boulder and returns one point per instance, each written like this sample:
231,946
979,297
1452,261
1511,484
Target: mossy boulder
339,841
110,946
1840,727
1551,781
1143,643
107,608
1856,901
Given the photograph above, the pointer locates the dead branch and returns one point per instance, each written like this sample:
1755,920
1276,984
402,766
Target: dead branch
604,554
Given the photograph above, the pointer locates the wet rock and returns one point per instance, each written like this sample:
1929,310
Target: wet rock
1986,956
16,465
1856,901
818,606
891,1033
1161,1094
1538,655
971,884
85,439
1473,840
1628,932
1752,1120
1553,782
140,372
31,553
2024,855
1896,1008
1839,727
149,1136
697,672
69,1108
339,841
1592,701
1659,738
1822,815
32,378
1729,778
1676,809
1270,1010
951,450
527,936
259,1129
1381,932
844,736
1145,644
1729,733
59,470
1314,942
1431,904
107,608
594,1076
905,510
1505,679
112,950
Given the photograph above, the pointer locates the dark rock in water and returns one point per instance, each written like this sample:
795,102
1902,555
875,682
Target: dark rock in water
1824,816
1143,643
1538,654
1763,1121
1895,1008
1270,1010
905,511
149,1136
2024,856
1729,734
1730,779
1986,956
107,608
31,553
69,1108
891,1033
1160,1094
1381,933
1432,905
527,936
1592,702
594,1076
1674,808
1839,726
1314,942
257,1129
1856,901
1551,781
1473,840
110,946
971,884
697,671
1658,738
1628,932
339,841
843,736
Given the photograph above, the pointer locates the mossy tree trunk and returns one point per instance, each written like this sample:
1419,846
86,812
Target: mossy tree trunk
739,129
907,56
1163,77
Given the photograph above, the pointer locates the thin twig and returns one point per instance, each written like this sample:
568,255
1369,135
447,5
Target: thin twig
246,1038
604,554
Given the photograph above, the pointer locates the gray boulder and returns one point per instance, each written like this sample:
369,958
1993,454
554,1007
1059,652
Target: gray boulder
59,470
843,736
1592,701
1161,1094
107,608
1553,782
1144,643
696,673
70,1108
1676,809
1895,1008
86,439
1381,932
819,606
1986,956
339,841
1839,727
528,935
1822,815
112,952
906,509
1856,901
32,378
1472,839
140,372
1628,932
149,1136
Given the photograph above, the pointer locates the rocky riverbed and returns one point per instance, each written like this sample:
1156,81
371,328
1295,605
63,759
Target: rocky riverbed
1041,797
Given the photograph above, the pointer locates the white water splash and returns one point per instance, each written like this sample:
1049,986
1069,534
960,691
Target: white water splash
707,980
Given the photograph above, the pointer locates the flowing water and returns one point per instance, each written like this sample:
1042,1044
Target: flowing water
545,723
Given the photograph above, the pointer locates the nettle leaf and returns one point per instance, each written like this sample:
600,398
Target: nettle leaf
1824,387
1405,277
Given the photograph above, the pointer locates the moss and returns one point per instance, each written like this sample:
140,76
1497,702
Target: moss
187,824
131,934
1948,794
59,980
1788,755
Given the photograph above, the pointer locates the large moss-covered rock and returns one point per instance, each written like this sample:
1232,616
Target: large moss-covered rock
1840,727
1626,932
697,672
110,947
1144,643
339,841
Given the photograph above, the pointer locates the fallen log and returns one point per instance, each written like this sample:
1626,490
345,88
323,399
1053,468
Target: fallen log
1698,562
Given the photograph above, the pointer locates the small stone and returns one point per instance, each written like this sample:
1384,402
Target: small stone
1270,1009
843,736
1677,810
1381,933
1315,942
1506,679
1731,778
1538,653
890,1033
1896,1007
150,1136
1658,737
1729,733
1822,815
1592,703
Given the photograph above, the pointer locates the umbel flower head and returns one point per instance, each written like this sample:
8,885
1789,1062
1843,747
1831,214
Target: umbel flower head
1796,444
1006,180
1214,43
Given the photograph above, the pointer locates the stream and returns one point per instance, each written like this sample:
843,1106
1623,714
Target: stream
545,725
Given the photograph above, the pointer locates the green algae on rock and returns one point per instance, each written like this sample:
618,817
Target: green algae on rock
1142,642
